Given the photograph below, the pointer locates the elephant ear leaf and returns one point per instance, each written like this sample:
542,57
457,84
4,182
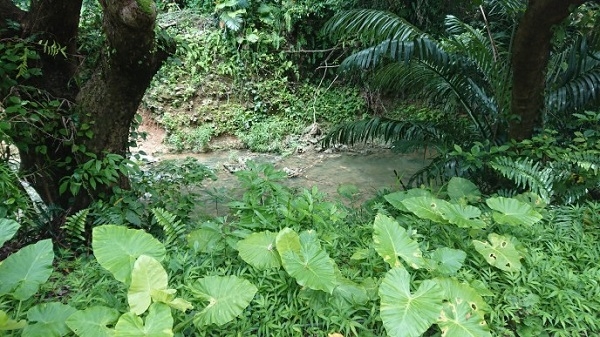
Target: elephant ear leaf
500,252
463,190
427,208
22,273
49,320
457,320
305,260
93,321
258,250
406,314
159,323
511,211
148,275
117,248
392,241
227,297
8,228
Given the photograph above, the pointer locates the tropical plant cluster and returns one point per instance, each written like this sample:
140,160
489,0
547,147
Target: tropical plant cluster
496,236
289,262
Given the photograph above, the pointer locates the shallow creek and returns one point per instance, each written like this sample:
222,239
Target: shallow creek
369,170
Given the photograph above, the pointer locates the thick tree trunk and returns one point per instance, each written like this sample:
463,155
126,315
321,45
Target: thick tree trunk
531,52
107,102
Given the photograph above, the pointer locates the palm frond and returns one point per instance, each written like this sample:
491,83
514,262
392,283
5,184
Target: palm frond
173,229
573,87
371,26
383,129
436,173
526,174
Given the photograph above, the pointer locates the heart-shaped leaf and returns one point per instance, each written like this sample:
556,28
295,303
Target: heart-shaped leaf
93,322
8,228
304,259
206,239
449,260
405,314
147,275
258,250
22,273
463,216
455,291
500,252
463,190
49,320
227,298
117,248
392,241
457,320
159,323
395,199
511,211
426,208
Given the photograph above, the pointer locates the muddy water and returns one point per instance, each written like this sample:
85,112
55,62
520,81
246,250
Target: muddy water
368,170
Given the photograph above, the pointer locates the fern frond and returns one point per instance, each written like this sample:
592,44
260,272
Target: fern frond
74,227
173,229
588,161
526,174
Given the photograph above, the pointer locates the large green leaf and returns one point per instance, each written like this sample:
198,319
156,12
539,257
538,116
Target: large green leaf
310,265
147,275
49,320
349,292
258,250
7,323
463,190
227,298
448,260
207,239
405,314
455,291
8,228
159,323
392,241
426,208
457,320
167,296
463,216
500,252
93,322
116,248
511,211
22,273
395,199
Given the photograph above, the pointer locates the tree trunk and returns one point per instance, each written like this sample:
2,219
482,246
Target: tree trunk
531,52
107,103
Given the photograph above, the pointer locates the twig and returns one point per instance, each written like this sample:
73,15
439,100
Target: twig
487,27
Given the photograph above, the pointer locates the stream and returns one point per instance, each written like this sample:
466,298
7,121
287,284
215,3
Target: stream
369,169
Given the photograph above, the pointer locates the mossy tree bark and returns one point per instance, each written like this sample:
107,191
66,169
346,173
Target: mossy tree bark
531,52
107,102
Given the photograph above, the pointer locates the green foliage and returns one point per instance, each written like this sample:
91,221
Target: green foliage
173,229
74,228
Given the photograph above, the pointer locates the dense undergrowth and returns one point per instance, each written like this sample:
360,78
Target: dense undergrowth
495,238
292,262
239,70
